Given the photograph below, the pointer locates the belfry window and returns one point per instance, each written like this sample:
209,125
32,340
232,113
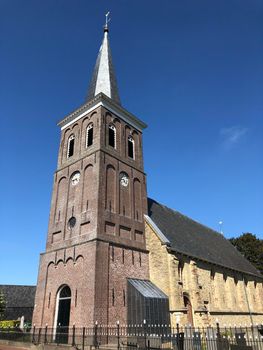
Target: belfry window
112,136
89,139
71,142
131,147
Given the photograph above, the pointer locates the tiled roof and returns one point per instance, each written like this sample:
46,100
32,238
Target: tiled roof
191,238
18,296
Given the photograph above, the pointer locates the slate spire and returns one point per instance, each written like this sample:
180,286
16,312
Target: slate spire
103,78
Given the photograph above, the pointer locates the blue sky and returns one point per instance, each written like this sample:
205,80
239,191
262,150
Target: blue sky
192,70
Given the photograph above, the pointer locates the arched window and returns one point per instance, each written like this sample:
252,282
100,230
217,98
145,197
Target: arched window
71,142
65,292
180,270
89,138
212,274
112,136
188,306
131,147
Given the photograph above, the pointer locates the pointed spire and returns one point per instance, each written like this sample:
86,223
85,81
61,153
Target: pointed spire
103,78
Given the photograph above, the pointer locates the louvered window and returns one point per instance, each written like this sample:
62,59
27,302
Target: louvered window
89,139
71,142
112,136
131,147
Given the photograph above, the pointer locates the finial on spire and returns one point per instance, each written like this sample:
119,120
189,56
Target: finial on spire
103,78
106,22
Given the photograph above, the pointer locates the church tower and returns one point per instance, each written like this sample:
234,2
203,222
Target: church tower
96,238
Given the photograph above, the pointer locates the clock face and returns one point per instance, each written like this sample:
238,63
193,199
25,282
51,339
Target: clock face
124,179
75,178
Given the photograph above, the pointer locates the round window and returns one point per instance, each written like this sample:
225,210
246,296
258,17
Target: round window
72,222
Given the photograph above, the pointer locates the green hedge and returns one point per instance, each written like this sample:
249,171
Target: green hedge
9,324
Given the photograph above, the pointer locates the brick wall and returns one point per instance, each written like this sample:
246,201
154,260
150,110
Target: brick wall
108,216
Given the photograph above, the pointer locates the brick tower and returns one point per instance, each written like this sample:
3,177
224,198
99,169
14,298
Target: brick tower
96,239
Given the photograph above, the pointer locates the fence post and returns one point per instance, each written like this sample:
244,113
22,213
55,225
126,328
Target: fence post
58,335
73,335
39,336
96,335
177,336
33,335
218,334
252,330
45,338
118,333
83,338
218,329
144,333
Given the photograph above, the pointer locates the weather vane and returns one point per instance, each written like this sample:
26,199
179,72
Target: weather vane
107,19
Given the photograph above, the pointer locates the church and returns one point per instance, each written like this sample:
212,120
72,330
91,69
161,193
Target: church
114,255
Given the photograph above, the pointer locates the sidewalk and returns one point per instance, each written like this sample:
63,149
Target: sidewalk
9,347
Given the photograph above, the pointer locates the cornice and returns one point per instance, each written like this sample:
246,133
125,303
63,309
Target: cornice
244,273
102,100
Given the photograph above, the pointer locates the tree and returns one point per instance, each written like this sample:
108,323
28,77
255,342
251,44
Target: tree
2,305
251,248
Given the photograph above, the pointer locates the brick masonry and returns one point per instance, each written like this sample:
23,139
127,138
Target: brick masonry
107,244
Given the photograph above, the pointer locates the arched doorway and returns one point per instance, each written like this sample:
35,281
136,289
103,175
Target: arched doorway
189,311
63,313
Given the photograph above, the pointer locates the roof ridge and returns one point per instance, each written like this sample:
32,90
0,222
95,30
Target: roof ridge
185,236
17,285
185,216
209,228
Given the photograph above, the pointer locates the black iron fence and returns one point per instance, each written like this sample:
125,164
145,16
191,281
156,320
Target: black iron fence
145,336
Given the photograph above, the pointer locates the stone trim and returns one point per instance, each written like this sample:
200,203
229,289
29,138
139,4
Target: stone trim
156,229
102,100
